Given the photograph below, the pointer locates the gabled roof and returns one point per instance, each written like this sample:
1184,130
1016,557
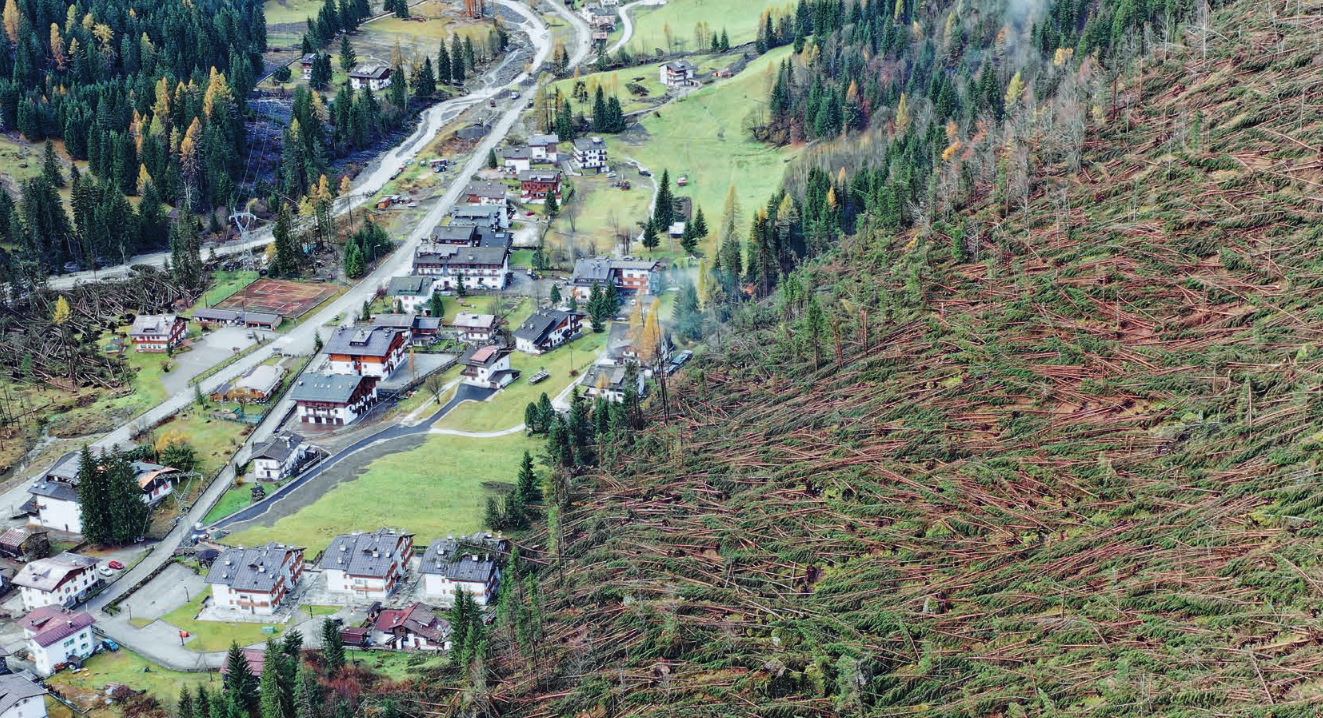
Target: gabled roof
409,286
539,176
613,376
415,618
330,388
461,560
57,490
370,72
15,688
544,140
487,190
279,447
46,574
15,537
596,269
590,143
214,314
482,356
263,378
540,323
50,624
477,256
251,569
465,320
152,324
366,554
516,153
475,210
359,341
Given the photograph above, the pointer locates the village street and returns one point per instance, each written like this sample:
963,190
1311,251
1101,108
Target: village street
302,339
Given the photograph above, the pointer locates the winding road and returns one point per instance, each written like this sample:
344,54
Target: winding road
149,642
627,22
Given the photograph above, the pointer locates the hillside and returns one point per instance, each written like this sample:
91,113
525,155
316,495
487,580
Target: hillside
1074,476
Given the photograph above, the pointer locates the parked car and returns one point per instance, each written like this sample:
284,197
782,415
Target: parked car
116,565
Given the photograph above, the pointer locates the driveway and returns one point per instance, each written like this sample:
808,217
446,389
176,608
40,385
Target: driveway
207,351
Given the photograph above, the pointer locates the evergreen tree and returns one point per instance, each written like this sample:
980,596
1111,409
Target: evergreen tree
650,238
436,305
527,484
320,79
94,500
443,74
202,704
348,58
491,159
424,85
128,513
457,69
286,260
601,122
50,166
186,254
552,205
333,647
307,693
663,211
239,683
271,699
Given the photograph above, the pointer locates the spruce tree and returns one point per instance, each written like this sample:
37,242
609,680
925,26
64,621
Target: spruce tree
663,211
333,647
348,58
239,683
457,69
286,261
202,704
185,704
650,237
443,75
271,698
528,483
50,166
94,500
307,693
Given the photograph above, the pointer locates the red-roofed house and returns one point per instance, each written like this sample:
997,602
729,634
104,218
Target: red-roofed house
487,366
57,636
413,628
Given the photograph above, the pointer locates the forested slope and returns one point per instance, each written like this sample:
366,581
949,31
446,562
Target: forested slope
1050,454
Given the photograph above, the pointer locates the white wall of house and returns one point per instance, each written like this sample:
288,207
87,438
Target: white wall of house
438,586
59,515
64,595
254,602
33,707
338,581
272,470
46,658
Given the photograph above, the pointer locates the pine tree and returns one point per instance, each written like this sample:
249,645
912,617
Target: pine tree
271,698
202,704
50,166
491,159
239,682
348,58
650,238
527,485
185,709
443,74
307,693
601,121
663,211
492,517
94,500
333,647
457,69
286,261
424,85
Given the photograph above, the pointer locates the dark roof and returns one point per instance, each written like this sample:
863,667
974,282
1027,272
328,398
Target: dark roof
458,561
544,140
333,388
50,624
596,269
65,468
540,323
279,447
539,176
364,554
393,321
477,256
373,72
58,490
213,314
409,285
613,374
152,325
475,210
250,569
15,688
516,153
490,190
358,341
482,356
587,143
455,233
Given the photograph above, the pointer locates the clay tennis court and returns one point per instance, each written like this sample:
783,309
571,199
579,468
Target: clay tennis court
290,300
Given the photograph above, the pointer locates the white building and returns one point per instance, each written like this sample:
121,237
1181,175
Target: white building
412,628
374,77
367,565
56,636
55,505
372,351
590,153
21,698
333,399
475,328
612,382
547,329
255,580
412,292
679,73
63,580
477,268
280,456
544,148
469,564
486,366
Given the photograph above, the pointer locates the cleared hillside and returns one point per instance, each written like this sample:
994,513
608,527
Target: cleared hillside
1073,477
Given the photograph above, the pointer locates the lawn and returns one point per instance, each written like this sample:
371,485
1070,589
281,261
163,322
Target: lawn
618,83
703,137
739,18
215,440
506,409
130,669
434,490
223,285
214,635
238,497
514,309
591,219
279,12
395,665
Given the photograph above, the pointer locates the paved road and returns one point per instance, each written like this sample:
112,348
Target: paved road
583,44
464,393
628,22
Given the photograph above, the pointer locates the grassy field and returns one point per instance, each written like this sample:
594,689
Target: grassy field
394,665
236,498
214,635
280,12
515,310
637,88
738,17
433,490
214,439
589,223
130,669
224,284
506,409
702,136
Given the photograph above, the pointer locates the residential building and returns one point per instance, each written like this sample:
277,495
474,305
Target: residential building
305,63
468,564
590,154
412,293
55,505
256,387
482,215
21,698
629,276
374,351
255,580
418,326
492,193
214,317
678,73
333,399
547,329
517,159
413,628
478,268
475,328
158,332
544,147
612,381
56,637
599,18
62,580
373,77
367,565
620,347
468,235
281,456
535,185
25,543
487,366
